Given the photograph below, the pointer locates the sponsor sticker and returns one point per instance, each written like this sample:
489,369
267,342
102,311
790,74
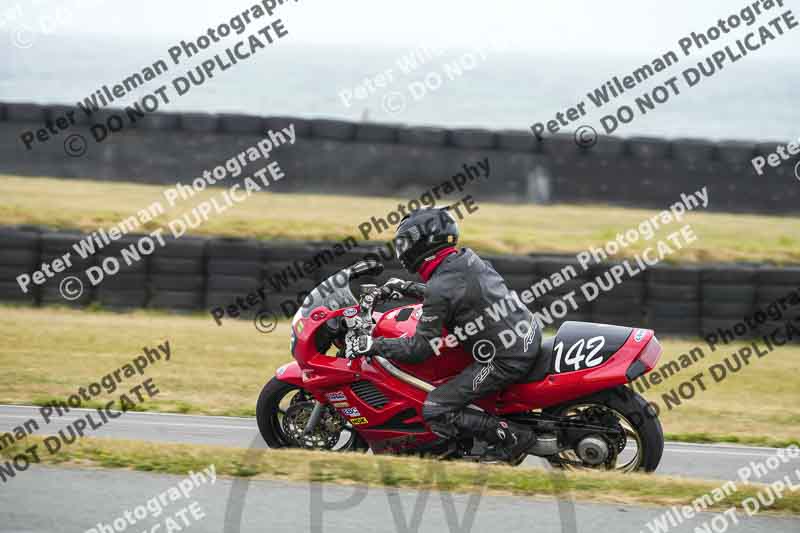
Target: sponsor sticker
299,327
281,370
359,421
352,411
339,405
350,312
639,335
336,396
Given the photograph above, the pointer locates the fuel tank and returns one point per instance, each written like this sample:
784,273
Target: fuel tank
402,322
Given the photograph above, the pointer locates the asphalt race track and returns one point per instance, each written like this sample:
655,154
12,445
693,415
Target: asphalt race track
55,499
49,498
689,460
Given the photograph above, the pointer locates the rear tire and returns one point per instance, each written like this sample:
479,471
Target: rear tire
623,401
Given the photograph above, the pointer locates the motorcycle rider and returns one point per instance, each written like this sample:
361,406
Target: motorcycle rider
459,287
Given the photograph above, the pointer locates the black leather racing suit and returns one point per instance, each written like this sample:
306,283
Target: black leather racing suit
463,290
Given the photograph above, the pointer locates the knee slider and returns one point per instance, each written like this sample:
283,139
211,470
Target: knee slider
442,428
431,409
440,422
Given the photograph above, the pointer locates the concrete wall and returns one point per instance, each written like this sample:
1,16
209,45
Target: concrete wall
376,159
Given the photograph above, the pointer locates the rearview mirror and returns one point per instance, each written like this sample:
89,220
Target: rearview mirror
365,268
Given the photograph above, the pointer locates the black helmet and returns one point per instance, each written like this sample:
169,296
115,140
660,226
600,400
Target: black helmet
422,233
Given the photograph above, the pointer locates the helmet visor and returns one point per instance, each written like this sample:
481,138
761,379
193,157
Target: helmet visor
401,245
404,241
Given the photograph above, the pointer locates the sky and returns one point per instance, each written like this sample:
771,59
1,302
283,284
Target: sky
621,27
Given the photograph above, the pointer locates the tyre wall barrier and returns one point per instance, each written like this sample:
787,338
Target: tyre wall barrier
333,156
198,274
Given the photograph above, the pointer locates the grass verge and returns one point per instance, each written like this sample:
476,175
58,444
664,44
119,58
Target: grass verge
496,228
412,473
751,440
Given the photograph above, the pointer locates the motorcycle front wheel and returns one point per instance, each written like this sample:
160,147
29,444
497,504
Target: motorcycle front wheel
282,411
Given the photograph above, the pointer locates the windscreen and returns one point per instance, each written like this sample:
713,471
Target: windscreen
333,293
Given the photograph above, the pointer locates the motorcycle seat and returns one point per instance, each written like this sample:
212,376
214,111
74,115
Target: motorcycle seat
571,332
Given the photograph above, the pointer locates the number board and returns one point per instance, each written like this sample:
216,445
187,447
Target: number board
579,355
584,345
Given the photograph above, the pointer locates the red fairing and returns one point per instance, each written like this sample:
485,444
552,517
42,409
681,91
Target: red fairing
437,368
290,373
560,388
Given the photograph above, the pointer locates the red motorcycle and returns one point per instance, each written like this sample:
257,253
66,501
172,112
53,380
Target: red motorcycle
574,397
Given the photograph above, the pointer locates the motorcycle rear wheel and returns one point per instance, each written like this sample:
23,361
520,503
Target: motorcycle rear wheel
275,399
641,427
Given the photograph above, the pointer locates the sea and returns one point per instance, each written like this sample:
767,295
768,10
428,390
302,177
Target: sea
752,99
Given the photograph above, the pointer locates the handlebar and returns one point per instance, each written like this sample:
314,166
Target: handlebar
361,324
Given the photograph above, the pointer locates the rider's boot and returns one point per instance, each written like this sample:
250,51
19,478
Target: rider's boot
508,442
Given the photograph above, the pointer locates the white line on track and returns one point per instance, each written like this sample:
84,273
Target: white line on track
144,413
145,423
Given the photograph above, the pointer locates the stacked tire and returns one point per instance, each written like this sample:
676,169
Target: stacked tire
19,253
194,273
553,303
623,304
518,272
234,270
289,272
57,290
177,275
777,297
729,296
127,288
673,300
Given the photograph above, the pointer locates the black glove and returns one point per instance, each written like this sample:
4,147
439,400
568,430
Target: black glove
394,289
358,346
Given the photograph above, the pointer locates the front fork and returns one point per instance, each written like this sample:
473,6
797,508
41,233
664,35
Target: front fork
313,420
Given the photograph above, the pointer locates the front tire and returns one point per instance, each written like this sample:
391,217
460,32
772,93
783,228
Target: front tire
275,398
641,426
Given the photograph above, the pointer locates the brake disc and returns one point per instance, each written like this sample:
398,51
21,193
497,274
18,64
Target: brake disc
325,435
